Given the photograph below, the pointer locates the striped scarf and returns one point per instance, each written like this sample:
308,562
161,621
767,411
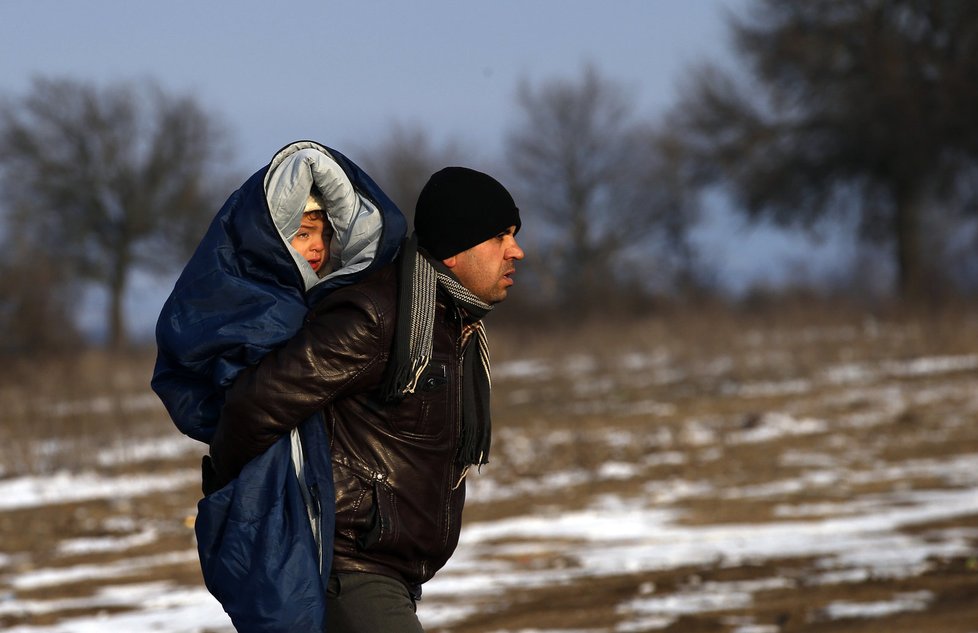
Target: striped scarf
419,281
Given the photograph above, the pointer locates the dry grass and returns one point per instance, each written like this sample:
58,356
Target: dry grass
56,413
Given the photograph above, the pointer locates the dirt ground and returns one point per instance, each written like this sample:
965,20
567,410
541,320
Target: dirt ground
854,443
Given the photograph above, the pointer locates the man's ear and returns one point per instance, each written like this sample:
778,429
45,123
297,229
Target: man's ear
450,262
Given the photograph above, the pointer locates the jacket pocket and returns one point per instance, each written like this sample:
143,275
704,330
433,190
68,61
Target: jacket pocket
382,528
424,413
366,507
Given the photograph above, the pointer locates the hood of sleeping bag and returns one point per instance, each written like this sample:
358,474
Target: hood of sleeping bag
245,290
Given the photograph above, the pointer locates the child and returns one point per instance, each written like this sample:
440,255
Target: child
315,232
307,223
249,284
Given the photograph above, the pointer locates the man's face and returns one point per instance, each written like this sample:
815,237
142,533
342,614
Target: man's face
312,240
487,269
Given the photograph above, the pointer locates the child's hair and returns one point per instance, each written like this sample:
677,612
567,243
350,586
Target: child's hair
316,210
314,214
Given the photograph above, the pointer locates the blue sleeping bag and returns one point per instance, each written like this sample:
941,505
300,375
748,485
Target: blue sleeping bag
265,539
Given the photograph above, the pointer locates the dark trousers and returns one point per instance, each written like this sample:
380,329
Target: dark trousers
369,603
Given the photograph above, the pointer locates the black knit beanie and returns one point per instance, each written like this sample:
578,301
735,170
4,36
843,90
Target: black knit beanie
459,208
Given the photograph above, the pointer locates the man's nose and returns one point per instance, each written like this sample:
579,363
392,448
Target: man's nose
515,252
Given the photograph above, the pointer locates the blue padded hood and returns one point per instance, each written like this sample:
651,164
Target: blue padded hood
245,291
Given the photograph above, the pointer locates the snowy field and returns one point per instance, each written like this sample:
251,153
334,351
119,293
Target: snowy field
807,480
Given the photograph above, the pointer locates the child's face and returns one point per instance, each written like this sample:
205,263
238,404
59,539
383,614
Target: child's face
312,241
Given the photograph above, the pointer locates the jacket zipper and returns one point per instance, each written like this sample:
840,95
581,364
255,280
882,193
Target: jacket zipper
460,373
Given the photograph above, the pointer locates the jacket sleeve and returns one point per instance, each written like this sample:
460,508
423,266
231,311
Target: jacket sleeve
342,346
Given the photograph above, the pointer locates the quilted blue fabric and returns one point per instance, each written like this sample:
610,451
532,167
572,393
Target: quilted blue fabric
240,296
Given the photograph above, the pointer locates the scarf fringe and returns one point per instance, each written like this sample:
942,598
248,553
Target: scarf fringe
418,283
405,380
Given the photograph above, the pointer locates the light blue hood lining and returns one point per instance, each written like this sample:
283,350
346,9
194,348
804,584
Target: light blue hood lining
356,221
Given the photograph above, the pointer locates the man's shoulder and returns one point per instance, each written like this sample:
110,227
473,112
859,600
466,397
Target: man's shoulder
377,290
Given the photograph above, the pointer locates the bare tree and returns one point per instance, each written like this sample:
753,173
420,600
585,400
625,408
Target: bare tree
601,180
402,162
863,108
101,182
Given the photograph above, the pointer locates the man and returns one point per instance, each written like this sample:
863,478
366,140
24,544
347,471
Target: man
399,366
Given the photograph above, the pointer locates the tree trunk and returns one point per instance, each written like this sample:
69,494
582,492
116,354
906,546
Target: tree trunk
908,242
118,339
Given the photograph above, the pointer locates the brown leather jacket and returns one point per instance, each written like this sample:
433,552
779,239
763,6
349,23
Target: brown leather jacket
398,492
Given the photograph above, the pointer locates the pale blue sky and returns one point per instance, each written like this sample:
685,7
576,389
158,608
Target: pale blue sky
343,73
